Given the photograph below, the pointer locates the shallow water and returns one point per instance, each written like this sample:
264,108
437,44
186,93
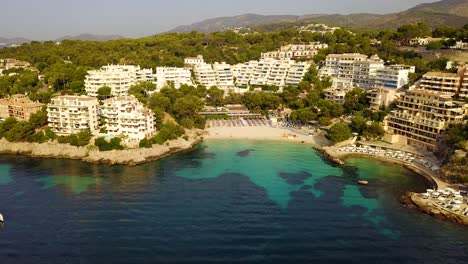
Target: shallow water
225,201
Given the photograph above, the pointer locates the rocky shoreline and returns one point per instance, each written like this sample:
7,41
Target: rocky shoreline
129,157
409,199
413,200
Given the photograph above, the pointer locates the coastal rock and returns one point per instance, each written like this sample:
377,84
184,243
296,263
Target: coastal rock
436,211
406,200
130,157
330,156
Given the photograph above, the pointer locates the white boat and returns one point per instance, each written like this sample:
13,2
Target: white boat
1,218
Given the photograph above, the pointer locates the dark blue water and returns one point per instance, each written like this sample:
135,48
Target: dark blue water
224,202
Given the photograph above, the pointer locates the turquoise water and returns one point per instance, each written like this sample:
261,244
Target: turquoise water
225,201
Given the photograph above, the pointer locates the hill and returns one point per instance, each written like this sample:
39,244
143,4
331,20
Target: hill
6,42
445,12
91,37
245,20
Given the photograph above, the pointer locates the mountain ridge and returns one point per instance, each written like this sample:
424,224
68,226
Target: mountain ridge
445,12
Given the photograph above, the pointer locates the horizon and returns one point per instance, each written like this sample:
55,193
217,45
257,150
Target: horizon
52,19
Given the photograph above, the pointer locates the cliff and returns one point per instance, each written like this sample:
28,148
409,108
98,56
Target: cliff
129,157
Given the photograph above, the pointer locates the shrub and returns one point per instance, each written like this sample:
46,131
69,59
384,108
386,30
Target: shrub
103,145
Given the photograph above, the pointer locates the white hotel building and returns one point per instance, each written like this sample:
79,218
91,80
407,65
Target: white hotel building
128,118
351,69
72,114
244,72
270,72
393,76
295,51
224,77
176,76
118,77
205,75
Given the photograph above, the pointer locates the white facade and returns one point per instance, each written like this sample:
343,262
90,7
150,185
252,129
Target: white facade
118,77
262,71
224,77
72,114
352,69
464,83
381,97
295,51
205,75
296,72
127,117
337,94
394,76
243,72
270,72
176,76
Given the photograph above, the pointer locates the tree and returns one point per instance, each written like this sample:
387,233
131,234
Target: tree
38,119
358,124
355,100
104,92
375,130
7,125
303,115
339,132
187,107
158,100
215,96
324,121
77,87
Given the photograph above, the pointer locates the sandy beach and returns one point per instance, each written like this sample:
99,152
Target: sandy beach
263,133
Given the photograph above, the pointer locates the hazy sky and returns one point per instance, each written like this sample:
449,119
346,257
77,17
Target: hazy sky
50,19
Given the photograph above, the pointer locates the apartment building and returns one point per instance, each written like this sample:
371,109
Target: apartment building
441,82
463,92
422,116
278,73
270,71
262,71
18,106
243,72
393,76
352,68
337,94
71,114
295,51
205,75
381,97
296,72
118,77
128,118
224,76
173,75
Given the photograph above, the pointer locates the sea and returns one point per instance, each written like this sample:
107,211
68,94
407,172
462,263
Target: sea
225,201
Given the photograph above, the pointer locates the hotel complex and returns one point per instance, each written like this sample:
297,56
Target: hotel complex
73,114
422,116
357,70
118,77
270,72
127,117
172,75
423,112
18,106
295,51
